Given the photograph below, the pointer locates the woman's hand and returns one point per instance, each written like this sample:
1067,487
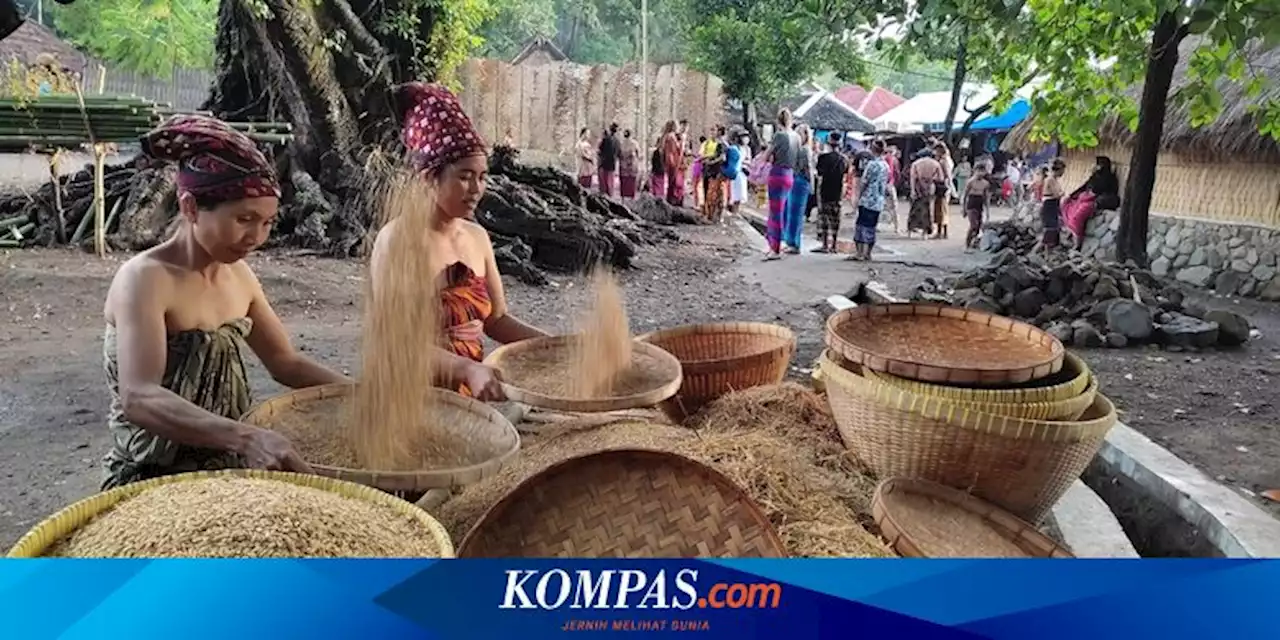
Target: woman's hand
467,332
266,449
484,382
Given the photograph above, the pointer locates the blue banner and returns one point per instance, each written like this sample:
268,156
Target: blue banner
790,599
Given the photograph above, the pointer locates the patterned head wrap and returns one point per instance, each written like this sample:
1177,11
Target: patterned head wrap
436,130
213,159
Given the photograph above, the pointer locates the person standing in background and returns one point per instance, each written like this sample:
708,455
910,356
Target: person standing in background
976,196
714,158
609,153
872,187
586,158
942,201
831,170
628,165
739,187
798,201
891,194
781,157
673,164
657,172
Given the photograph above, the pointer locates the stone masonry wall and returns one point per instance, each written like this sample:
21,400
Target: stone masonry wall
1231,259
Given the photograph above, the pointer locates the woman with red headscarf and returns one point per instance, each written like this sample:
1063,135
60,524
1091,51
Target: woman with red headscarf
446,150
179,317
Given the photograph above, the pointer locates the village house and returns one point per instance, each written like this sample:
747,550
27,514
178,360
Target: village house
1215,212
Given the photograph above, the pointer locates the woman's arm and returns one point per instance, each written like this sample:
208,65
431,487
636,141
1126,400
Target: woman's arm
501,325
138,309
270,342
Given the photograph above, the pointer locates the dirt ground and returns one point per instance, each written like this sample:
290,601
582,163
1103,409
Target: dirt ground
1215,409
52,397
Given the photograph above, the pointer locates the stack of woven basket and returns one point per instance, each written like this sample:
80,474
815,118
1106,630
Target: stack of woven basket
967,399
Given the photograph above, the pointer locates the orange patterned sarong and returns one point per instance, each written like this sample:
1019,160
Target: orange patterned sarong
464,298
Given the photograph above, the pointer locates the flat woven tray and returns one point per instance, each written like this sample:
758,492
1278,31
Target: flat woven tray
490,439
1069,382
61,524
949,345
521,363
721,357
1023,465
624,503
922,519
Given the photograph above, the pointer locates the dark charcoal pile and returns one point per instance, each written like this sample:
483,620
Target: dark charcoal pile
1086,303
540,218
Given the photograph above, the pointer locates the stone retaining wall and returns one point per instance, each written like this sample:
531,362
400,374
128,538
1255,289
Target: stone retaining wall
1231,259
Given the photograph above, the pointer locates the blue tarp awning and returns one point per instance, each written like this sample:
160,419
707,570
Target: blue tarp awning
1017,112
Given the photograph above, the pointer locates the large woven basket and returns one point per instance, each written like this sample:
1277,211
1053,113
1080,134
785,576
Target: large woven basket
722,357
624,503
1065,409
1069,382
922,519
512,360
40,539
1022,465
949,345
489,437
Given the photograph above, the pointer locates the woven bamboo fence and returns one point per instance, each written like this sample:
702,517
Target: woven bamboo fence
544,106
1197,186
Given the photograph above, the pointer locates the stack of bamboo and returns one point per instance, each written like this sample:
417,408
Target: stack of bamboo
69,121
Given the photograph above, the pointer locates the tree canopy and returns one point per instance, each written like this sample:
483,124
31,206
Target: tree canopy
148,36
588,31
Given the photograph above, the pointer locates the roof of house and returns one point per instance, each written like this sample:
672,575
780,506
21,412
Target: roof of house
821,110
1235,131
536,44
32,39
871,104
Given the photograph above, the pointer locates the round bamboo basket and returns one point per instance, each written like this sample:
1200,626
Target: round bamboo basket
922,519
1064,409
1069,382
948,345
624,503
514,361
722,357
488,435
65,522
1019,464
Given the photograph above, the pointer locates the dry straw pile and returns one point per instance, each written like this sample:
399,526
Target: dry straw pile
778,443
246,518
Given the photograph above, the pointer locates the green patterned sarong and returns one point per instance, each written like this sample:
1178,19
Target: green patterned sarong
205,367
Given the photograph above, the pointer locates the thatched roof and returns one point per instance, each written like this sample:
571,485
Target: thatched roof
1235,132
33,42
543,45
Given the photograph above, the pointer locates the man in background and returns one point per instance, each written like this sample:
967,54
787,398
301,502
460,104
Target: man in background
831,169
609,152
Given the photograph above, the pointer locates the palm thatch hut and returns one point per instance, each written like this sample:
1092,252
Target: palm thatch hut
1224,172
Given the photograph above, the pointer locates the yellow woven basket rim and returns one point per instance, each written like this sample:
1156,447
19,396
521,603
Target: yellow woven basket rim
969,416
785,334
1058,392
44,535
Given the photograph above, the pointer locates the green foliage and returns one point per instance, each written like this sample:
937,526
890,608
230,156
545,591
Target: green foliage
764,48
454,34
1067,36
147,36
588,31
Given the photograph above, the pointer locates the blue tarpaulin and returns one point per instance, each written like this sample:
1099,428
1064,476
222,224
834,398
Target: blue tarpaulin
1017,112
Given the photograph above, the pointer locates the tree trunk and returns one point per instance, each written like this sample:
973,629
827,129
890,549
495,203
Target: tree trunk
1131,239
957,86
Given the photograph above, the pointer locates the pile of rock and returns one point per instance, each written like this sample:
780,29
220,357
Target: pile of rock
1087,303
1007,234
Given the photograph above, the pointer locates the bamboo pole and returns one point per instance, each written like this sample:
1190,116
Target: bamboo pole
99,200
57,197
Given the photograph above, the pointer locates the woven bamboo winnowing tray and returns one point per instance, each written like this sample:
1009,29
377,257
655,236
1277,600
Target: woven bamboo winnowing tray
624,503
1069,382
65,522
1022,465
922,519
509,359
722,357
488,435
949,345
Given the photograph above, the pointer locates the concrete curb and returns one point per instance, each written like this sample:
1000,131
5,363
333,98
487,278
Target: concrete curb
1229,522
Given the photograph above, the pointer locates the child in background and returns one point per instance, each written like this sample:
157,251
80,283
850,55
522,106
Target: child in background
977,194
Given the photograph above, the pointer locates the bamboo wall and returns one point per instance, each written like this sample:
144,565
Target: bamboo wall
1191,186
545,105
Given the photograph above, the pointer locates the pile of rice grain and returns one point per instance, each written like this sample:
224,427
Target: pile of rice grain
247,518
797,471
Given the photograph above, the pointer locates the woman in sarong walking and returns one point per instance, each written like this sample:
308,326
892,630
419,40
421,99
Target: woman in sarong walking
782,159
